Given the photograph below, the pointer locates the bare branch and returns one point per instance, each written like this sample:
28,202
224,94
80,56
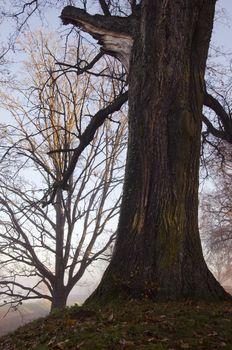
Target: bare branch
105,7
214,104
88,135
212,130
114,34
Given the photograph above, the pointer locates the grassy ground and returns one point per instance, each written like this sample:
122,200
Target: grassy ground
136,325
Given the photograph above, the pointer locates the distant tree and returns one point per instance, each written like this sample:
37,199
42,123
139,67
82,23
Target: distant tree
45,250
216,204
216,217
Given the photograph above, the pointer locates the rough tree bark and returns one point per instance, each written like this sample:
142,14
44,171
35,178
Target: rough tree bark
158,251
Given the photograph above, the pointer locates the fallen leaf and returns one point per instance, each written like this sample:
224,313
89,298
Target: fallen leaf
71,322
52,341
164,340
150,340
212,334
110,318
80,345
62,344
124,342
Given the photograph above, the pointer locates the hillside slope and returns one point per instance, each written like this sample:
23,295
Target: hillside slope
135,325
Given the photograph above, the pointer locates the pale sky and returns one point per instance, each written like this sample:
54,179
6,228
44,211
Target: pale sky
222,33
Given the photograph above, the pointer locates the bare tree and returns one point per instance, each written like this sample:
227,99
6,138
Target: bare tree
216,115
216,218
45,250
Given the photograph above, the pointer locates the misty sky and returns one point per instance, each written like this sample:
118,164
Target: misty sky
222,33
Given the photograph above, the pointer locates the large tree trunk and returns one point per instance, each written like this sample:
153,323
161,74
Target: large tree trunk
158,251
